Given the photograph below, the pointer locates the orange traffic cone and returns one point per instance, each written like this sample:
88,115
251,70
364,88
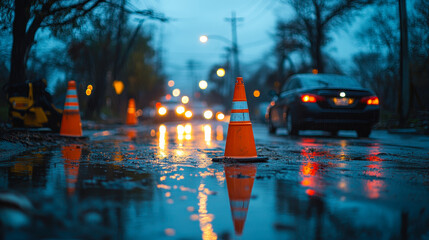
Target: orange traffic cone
239,180
131,113
70,124
71,155
240,144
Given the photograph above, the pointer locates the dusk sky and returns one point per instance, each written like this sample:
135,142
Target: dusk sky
192,18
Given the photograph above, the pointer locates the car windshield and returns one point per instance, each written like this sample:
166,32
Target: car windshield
328,81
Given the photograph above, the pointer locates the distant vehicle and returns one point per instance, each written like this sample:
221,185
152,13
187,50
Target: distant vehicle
323,102
176,111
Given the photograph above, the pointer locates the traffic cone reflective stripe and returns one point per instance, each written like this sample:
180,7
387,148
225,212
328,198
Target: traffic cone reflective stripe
71,100
131,112
71,124
240,144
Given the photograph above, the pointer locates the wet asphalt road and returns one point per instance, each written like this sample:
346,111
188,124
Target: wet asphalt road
158,182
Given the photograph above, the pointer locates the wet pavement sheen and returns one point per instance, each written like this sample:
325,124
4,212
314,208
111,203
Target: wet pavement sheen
158,182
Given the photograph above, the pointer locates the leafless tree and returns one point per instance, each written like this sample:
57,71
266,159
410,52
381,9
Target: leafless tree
26,17
316,18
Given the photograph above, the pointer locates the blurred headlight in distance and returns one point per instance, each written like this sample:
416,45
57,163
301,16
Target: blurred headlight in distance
162,111
220,116
188,114
208,114
180,110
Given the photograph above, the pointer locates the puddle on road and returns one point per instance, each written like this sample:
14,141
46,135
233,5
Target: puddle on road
160,183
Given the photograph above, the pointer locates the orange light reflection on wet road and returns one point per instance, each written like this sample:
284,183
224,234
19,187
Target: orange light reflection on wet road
219,133
180,132
162,140
309,170
208,134
71,155
204,217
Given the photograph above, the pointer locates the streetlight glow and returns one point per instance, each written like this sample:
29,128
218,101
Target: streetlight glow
185,99
202,84
204,38
220,72
170,83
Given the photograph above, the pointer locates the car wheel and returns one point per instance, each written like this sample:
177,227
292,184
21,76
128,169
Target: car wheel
363,132
271,128
291,126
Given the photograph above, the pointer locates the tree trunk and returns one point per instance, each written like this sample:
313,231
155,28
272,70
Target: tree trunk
21,45
319,40
318,49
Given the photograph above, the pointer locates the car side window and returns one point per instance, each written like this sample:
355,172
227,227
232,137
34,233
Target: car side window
295,84
291,85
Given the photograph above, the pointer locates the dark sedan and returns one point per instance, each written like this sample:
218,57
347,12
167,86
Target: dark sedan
323,102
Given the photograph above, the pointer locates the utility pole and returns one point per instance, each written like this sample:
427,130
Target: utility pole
234,49
191,71
404,91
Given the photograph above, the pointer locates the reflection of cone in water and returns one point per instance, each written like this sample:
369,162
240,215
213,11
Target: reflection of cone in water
240,144
70,124
131,113
131,134
71,155
239,180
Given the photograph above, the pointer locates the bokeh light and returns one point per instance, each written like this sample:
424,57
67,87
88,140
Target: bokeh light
188,114
220,116
204,38
170,83
162,111
220,72
203,84
256,93
208,114
180,110
176,92
185,99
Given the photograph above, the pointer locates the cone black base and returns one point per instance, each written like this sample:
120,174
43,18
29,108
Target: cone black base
240,160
